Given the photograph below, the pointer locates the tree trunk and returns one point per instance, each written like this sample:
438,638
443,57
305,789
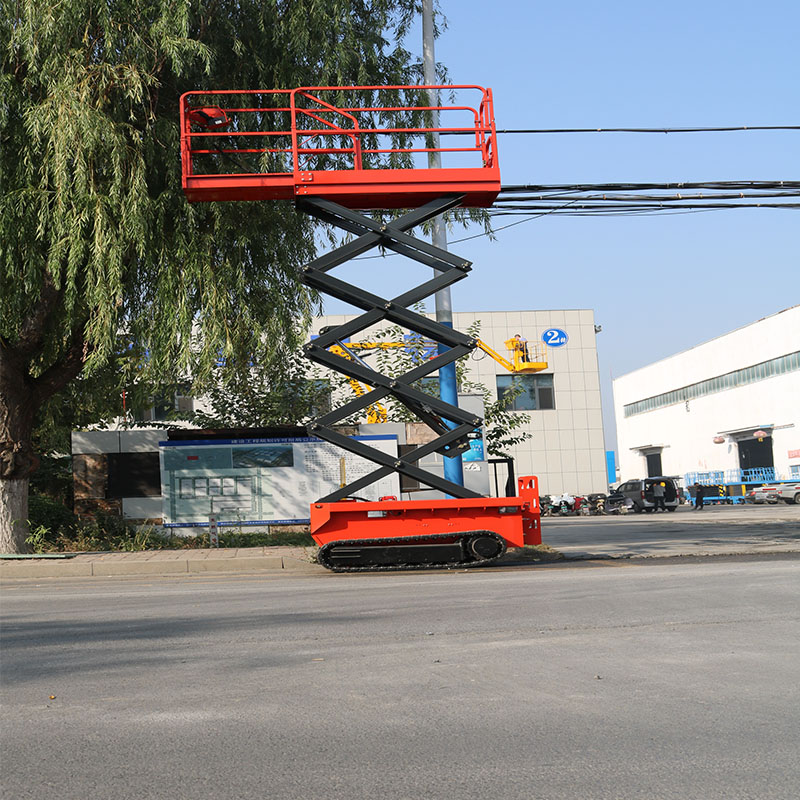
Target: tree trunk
18,405
14,515
21,397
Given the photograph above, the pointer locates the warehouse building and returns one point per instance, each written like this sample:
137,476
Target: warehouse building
726,412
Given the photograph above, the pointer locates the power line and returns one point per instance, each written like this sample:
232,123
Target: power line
736,185
656,130
607,200
637,208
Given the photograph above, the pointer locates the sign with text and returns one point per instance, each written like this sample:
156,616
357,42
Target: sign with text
260,481
555,337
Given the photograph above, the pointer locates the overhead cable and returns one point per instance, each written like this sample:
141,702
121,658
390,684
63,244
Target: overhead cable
709,129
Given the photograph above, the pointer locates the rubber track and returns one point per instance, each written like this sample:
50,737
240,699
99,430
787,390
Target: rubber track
323,551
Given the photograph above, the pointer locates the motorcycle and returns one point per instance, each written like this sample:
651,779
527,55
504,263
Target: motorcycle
568,504
563,505
596,503
617,503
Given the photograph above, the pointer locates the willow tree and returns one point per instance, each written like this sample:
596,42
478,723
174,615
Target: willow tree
96,239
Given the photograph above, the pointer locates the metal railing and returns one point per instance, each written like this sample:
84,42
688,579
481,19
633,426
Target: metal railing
286,131
733,476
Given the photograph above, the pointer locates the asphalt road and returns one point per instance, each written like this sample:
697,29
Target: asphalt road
714,530
612,679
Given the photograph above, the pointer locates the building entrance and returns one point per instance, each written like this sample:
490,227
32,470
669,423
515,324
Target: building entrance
653,465
754,454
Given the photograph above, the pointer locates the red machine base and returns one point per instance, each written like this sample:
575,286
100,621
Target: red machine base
405,534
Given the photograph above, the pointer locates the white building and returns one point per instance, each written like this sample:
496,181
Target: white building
562,403
725,411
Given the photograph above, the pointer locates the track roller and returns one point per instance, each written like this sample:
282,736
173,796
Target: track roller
417,552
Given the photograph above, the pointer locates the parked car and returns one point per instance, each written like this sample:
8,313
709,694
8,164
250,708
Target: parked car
640,493
789,492
763,494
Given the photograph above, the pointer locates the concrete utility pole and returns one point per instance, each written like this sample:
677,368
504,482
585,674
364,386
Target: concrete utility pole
448,386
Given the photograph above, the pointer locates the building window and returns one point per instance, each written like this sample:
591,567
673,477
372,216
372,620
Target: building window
168,405
133,475
429,385
533,392
795,468
730,380
318,392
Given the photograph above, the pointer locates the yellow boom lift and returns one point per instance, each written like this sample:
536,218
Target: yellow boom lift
525,359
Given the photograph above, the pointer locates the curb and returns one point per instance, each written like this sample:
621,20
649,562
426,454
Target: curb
101,569
276,565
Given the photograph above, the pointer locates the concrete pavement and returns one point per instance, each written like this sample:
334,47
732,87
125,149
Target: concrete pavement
165,562
720,530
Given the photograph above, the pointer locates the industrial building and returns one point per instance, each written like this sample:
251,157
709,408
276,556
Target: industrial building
561,402
726,412
118,470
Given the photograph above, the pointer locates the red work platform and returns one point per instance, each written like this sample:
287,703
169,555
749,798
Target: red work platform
363,147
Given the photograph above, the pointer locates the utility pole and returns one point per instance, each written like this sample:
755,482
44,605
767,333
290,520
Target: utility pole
448,386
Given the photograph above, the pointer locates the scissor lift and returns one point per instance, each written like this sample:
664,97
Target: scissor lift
337,151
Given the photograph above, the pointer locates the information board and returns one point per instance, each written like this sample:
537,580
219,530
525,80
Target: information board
260,481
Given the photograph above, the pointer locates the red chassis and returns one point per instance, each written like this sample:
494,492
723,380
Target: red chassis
515,520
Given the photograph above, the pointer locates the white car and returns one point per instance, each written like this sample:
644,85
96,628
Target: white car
789,493
763,494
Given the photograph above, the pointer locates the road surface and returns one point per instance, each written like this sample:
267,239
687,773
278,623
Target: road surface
612,679
714,530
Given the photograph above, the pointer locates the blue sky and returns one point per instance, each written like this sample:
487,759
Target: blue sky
659,284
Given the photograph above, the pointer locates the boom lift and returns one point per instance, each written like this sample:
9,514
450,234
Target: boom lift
376,412
523,362
334,150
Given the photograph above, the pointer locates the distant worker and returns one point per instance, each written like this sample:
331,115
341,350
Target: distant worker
521,344
698,496
658,496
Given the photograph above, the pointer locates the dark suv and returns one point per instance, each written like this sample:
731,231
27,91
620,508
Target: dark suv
640,492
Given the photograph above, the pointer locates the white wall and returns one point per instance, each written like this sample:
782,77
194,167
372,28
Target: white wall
687,430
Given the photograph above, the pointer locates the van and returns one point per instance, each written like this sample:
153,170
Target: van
640,493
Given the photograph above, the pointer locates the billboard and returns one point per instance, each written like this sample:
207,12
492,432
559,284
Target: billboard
260,481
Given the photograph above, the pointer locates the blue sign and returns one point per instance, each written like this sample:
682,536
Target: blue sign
475,452
555,337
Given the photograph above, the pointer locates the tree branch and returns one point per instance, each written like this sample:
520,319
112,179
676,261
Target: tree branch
68,367
33,328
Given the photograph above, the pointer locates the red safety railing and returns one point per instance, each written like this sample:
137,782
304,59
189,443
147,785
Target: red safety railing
363,146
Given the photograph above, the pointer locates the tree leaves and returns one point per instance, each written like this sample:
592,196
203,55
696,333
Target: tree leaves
90,172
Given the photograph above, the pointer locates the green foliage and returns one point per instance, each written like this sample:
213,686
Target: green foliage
96,235
54,528
37,538
266,539
53,478
95,399
51,515
107,273
256,399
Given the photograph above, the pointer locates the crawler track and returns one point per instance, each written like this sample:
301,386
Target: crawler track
433,551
